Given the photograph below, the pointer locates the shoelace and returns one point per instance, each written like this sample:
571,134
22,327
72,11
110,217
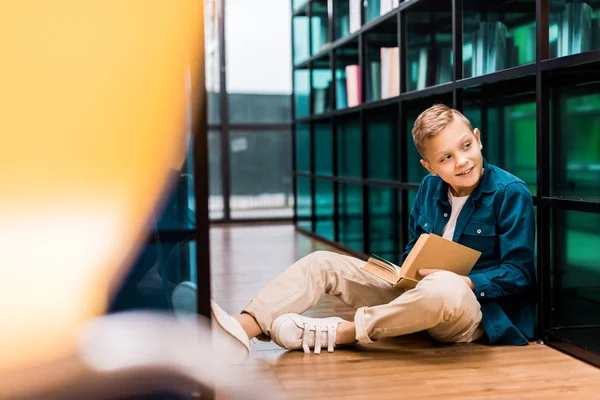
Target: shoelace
318,329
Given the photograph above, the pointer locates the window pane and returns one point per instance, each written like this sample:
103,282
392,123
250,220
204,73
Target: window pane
322,90
212,56
577,163
324,208
384,221
319,25
573,27
302,92
303,148
298,3
383,153
300,38
429,58
304,203
509,138
215,203
323,149
155,279
350,215
349,148
261,174
258,60
497,39
576,239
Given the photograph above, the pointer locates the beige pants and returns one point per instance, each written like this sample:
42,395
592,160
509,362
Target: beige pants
442,303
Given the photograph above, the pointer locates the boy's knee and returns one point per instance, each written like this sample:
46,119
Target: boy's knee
445,289
321,259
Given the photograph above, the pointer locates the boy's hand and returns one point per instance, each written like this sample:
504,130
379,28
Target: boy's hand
425,272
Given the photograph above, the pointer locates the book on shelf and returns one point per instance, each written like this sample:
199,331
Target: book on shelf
390,72
341,94
374,86
354,10
429,252
386,6
353,85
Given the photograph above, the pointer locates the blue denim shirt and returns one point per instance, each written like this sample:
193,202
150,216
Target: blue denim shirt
498,221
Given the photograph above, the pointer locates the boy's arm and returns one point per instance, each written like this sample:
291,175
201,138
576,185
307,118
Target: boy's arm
516,235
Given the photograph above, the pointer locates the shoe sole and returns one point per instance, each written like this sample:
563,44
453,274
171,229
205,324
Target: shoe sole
231,338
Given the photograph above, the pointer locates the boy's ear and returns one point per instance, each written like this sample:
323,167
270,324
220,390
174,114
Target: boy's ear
427,166
477,134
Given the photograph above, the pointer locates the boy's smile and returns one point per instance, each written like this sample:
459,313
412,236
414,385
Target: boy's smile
455,155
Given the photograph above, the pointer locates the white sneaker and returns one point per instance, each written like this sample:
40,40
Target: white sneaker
293,332
229,338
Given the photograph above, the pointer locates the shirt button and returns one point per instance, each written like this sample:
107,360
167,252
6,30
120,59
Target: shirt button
425,225
482,294
479,231
445,215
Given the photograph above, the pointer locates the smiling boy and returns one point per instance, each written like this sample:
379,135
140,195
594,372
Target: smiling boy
463,199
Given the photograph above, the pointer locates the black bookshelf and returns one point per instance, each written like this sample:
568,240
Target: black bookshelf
533,103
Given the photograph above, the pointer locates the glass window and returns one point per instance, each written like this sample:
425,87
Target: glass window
384,223
576,166
323,149
213,63
324,209
304,203
509,137
319,25
215,181
573,27
257,31
576,268
382,134
303,148
349,148
298,3
302,92
322,90
350,216
497,36
261,174
429,58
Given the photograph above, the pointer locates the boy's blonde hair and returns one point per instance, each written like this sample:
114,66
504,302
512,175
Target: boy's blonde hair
431,121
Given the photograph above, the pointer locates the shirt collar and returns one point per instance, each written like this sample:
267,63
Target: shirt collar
486,185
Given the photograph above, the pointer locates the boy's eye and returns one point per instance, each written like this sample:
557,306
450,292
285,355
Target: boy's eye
467,145
445,158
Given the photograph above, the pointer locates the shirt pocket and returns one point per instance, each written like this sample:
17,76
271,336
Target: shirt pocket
425,225
481,237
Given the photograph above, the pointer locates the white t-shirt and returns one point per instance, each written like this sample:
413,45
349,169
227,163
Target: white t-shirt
457,205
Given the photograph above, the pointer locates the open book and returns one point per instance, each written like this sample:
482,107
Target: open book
430,251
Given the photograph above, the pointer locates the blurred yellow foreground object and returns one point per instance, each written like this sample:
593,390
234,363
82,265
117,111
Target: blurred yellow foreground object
94,107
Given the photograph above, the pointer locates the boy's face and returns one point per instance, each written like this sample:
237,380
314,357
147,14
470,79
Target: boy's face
455,155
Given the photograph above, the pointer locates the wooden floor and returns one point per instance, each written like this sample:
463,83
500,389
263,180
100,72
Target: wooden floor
411,367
